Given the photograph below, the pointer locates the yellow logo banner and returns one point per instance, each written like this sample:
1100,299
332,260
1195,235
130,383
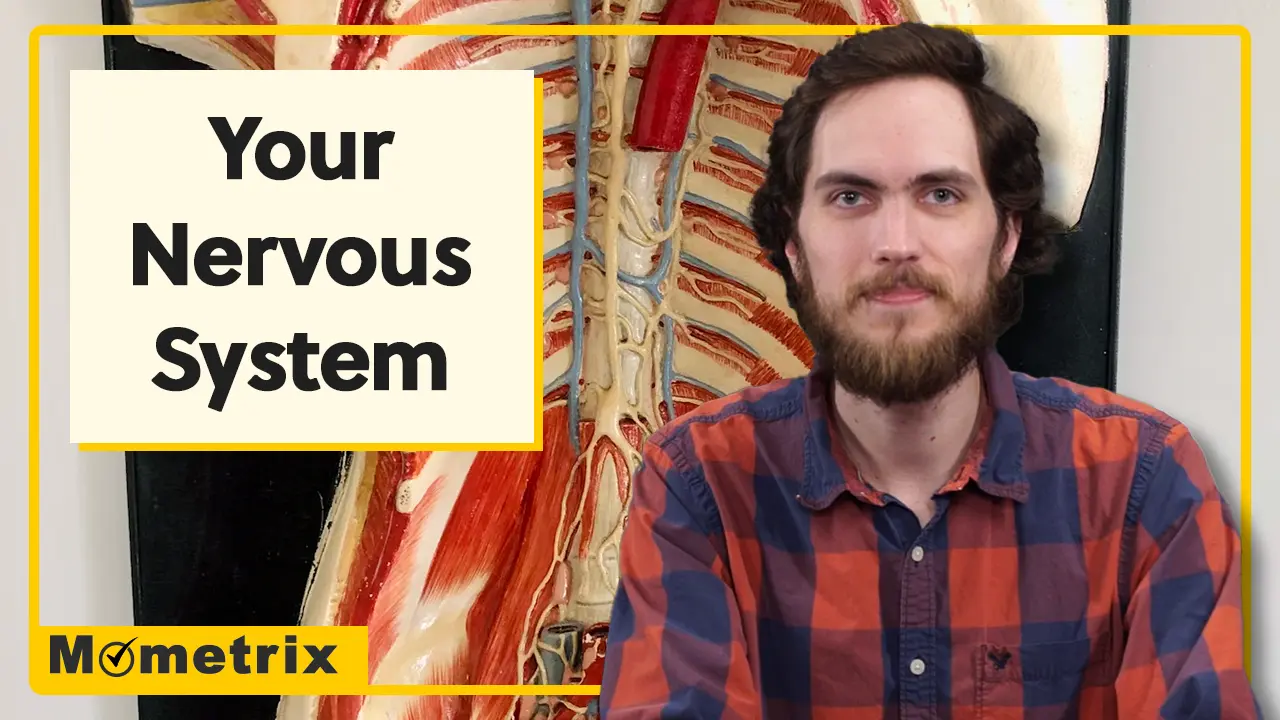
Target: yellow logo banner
131,660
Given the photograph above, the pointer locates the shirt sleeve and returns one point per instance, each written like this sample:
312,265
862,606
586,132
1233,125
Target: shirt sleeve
675,648
1184,656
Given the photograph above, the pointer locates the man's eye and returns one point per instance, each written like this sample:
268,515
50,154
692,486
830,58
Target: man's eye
942,196
847,198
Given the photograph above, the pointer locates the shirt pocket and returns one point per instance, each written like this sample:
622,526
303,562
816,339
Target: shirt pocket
1048,676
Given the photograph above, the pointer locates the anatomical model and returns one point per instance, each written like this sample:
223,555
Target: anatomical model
500,567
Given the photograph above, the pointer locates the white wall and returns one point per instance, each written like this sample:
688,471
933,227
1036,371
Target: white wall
1179,304
84,531
1180,288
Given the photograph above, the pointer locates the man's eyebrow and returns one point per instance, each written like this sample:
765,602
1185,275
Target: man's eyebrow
950,175
844,178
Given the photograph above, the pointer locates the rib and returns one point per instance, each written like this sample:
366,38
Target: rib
219,53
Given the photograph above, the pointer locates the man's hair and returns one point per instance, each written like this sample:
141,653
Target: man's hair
1007,143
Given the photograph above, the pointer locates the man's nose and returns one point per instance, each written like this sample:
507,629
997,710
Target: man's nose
897,239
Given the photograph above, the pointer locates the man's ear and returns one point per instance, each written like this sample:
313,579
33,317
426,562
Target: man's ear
793,254
1012,234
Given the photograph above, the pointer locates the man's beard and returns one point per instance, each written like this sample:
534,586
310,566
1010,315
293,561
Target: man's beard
897,370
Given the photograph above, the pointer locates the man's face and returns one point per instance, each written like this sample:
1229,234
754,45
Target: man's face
899,248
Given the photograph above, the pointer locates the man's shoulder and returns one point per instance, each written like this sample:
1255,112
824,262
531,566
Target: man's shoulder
735,418
1098,422
1127,455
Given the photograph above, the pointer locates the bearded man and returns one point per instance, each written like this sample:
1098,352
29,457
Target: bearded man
912,530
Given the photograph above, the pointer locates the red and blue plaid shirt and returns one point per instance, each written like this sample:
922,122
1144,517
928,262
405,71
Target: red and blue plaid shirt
1082,564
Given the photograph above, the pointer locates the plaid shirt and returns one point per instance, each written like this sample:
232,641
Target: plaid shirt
1081,564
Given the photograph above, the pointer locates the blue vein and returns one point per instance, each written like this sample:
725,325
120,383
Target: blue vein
668,323
530,20
582,150
722,209
750,156
758,94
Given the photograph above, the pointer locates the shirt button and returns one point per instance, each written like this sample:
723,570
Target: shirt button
917,553
917,667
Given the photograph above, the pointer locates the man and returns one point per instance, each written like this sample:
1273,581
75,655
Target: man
911,530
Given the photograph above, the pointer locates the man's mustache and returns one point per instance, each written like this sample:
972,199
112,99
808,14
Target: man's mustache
903,277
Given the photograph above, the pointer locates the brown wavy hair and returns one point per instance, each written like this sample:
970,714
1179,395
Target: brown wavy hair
1007,139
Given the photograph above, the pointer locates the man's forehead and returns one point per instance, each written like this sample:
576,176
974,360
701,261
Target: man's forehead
895,131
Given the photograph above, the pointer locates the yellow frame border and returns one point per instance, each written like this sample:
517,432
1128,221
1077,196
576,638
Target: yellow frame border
33,269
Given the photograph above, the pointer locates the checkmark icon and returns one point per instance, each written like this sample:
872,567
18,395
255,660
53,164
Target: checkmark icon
112,658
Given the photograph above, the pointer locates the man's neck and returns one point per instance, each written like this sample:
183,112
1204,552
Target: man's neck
910,450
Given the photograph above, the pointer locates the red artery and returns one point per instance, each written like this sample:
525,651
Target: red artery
354,51
882,12
671,80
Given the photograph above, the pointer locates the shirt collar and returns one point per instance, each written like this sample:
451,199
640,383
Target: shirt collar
828,471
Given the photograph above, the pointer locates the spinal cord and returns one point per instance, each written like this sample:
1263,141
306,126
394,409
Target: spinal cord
500,568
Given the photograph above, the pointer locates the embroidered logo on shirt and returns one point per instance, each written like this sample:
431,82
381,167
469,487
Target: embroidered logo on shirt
999,657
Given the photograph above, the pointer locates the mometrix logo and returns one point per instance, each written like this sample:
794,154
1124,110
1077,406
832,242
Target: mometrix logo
117,659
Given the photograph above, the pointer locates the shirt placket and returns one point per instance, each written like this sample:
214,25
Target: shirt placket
918,641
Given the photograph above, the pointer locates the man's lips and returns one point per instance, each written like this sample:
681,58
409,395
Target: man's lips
900,295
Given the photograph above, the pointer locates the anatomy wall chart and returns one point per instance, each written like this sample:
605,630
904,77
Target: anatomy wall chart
500,568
